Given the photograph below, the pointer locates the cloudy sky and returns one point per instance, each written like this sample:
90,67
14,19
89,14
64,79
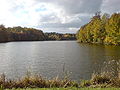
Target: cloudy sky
64,16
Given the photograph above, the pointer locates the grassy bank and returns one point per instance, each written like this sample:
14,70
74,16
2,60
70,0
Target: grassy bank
103,80
68,89
36,82
108,79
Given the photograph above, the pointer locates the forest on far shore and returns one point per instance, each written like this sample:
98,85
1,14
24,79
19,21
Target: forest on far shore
102,29
30,34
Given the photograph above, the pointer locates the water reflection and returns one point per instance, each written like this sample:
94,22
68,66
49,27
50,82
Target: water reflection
48,58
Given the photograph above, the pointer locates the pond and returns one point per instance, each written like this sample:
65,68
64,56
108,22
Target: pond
52,58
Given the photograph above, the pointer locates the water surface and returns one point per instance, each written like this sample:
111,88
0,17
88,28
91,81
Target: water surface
51,58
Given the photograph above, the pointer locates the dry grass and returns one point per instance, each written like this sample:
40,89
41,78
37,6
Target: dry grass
106,79
103,80
35,82
109,76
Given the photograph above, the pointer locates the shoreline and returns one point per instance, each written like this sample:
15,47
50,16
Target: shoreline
103,80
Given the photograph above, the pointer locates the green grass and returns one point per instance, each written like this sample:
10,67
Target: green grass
69,89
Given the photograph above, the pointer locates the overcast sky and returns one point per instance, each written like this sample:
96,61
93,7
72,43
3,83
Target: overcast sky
64,16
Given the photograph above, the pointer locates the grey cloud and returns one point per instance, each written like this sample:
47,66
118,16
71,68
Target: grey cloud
76,6
61,30
70,7
111,6
73,24
60,25
49,18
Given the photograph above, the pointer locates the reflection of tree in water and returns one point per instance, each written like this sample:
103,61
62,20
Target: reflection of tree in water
112,52
105,59
97,57
112,62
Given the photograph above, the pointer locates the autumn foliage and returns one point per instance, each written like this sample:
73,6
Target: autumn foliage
103,29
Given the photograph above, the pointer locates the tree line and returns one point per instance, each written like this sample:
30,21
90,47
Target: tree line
30,34
60,36
103,29
20,34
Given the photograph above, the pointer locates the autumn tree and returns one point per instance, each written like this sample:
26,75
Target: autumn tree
101,29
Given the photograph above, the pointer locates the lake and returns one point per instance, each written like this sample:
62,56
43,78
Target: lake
52,58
